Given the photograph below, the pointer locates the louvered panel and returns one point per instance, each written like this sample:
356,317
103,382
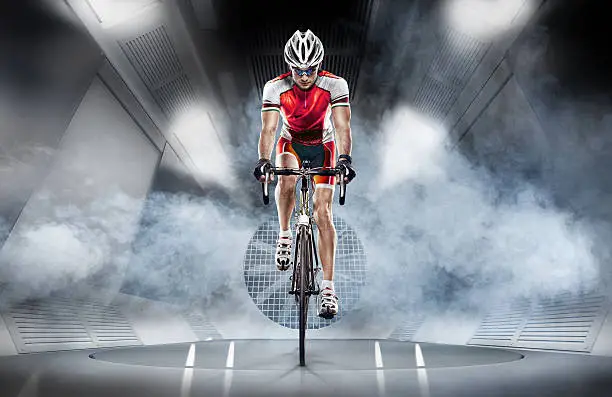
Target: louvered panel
64,324
564,323
433,97
108,326
259,74
570,323
456,59
407,329
502,325
176,96
36,327
203,328
154,58
266,67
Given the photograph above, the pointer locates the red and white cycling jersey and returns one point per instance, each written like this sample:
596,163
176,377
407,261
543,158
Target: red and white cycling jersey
306,114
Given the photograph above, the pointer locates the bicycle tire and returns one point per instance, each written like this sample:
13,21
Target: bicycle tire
305,256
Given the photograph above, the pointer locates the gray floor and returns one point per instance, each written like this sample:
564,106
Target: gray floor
334,367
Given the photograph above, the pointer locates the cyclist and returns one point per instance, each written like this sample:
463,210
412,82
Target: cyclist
308,99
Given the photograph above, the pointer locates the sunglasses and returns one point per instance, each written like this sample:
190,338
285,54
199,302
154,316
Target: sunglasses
302,72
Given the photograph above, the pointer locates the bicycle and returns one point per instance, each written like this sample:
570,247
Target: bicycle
303,283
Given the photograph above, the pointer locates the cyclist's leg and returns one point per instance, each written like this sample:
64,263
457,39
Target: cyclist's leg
285,201
322,201
323,198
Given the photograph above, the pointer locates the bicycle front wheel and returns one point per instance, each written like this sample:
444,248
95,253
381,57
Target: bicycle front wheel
305,263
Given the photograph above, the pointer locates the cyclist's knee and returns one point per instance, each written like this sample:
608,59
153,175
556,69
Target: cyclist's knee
286,185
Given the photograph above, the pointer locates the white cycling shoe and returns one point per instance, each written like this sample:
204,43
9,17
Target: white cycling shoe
329,303
283,253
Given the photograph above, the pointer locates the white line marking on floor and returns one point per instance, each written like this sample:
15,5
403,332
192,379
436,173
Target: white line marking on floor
423,383
229,363
380,378
228,382
188,374
187,380
420,362
421,371
378,355
380,373
30,388
190,356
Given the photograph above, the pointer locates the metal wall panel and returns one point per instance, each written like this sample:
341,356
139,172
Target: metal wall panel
104,158
117,86
46,65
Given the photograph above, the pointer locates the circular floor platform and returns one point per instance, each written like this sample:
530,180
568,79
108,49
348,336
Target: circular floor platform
355,354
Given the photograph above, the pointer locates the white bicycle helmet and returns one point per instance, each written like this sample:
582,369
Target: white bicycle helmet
303,50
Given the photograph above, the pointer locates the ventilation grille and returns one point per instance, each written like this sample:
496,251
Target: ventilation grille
153,57
203,328
175,96
107,326
344,45
569,323
565,323
61,324
502,325
266,67
454,63
407,329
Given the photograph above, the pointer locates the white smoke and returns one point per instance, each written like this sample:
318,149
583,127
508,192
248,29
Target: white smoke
69,244
439,232
189,248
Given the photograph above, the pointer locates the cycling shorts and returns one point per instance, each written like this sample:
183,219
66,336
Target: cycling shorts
323,155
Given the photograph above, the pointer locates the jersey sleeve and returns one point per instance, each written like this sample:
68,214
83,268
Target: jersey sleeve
271,97
339,93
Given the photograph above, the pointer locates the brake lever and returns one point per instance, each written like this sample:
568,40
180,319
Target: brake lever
265,184
342,197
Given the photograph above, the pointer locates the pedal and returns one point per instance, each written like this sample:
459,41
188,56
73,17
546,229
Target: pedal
326,315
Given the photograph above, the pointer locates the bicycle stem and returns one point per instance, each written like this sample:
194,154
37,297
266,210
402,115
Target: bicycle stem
304,215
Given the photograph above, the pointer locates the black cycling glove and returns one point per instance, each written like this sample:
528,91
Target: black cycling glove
259,170
344,161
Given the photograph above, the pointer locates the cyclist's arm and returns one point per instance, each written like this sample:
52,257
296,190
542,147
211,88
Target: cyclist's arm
269,121
341,116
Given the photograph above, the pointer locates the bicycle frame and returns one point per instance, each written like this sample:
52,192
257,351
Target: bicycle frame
304,222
